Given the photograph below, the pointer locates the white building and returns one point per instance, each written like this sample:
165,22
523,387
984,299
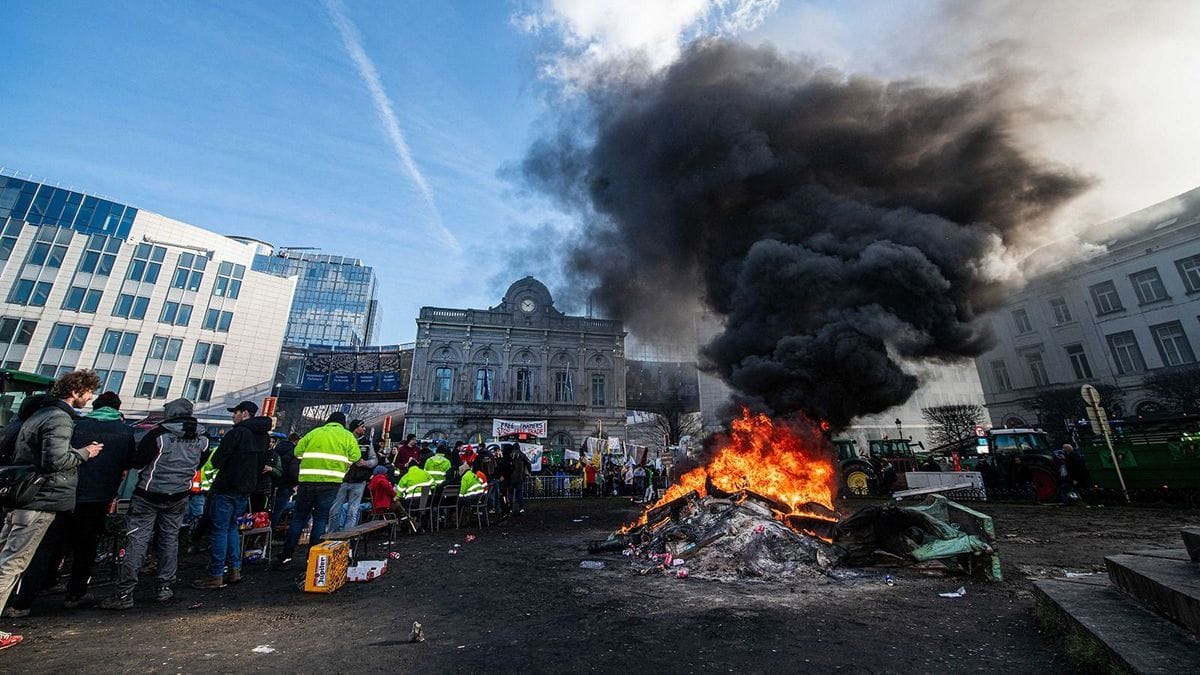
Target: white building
1129,309
159,308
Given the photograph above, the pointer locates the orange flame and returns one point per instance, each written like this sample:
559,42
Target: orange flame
786,460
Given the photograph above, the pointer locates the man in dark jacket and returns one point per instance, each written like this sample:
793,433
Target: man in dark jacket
354,483
78,532
238,460
286,486
174,448
45,442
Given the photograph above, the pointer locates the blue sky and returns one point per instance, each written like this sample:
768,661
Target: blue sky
256,119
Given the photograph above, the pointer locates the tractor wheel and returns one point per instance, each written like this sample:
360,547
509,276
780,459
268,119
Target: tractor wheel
1045,484
858,480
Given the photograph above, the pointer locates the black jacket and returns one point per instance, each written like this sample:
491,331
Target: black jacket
99,478
45,442
240,457
291,466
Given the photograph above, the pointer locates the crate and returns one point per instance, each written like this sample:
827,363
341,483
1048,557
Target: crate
327,565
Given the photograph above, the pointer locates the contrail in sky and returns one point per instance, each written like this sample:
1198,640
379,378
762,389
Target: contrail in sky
387,114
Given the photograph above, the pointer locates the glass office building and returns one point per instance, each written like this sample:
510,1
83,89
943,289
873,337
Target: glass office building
335,302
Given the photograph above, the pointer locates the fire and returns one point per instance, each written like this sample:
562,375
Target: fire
782,459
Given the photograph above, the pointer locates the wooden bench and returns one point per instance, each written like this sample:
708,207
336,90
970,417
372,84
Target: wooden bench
355,535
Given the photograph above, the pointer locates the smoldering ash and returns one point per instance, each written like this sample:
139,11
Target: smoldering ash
836,224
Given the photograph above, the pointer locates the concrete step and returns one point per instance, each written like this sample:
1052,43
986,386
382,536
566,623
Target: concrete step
1167,586
1191,541
1129,634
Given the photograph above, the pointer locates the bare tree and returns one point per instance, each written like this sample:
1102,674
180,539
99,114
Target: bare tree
952,425
1177,388
1059,408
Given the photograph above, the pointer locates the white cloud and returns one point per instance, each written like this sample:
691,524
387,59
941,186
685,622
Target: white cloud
594,36
387,116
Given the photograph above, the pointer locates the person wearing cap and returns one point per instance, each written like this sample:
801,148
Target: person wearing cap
239,460
175,447
78,532
350,492
325,453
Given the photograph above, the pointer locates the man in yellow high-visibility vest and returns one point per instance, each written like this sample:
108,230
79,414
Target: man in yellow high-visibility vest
325,453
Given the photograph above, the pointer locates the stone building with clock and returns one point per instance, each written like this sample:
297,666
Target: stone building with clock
520,360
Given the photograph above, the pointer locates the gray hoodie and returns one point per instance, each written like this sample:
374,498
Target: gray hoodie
179,446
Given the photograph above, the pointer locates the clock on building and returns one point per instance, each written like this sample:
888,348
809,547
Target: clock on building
527,305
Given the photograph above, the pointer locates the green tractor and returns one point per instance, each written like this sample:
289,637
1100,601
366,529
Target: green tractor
15,386
1014,462
1159,458
881,469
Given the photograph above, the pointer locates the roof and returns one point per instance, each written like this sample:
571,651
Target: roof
22,376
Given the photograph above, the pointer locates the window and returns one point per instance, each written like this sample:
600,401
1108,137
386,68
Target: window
147,261
1037,368
118,342
1000,372
68,337
208,354
562,387
1172,343
154,386
165,348
16,331
196,389
79,299
1148,286
483,384
1189,271
442,378
598,389
1062,313
1126,353
110,380
1105,297
131,306
8,237
524,385
189,272
1079,362
175,314
1021,319
100,255
49,247
229,280
28,292
217,320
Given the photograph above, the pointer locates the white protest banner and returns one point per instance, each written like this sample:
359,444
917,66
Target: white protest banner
538,428
534,453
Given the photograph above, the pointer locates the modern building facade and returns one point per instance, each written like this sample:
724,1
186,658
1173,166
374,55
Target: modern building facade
520,360
159,308
1126,311
336,301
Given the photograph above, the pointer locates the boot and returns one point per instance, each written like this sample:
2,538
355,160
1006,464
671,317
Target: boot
209,583
233,576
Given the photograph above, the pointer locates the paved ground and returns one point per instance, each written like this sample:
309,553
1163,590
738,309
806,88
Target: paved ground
516,600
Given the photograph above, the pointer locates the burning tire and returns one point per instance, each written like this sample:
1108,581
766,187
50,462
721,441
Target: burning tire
858,480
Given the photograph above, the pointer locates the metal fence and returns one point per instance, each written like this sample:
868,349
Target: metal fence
553,487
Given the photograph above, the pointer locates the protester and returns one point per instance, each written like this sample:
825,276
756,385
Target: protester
1073,474
263,490
411,450
414,479
286,486
350,492
239,460
437,466
383,494
472,483
156,509
78,532
489,464
324,454
518,469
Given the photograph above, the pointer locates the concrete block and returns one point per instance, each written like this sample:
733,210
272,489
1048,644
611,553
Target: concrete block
1191,541
1133,636
1170,588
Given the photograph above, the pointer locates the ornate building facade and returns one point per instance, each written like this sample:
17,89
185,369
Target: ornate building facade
520,360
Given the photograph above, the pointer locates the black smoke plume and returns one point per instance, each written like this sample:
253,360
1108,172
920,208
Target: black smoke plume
836,224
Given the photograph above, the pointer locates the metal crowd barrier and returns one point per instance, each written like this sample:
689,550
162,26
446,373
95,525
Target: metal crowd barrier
554,487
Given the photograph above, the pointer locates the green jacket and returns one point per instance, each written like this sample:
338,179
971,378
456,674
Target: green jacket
412,481
325,453
471,485
437,466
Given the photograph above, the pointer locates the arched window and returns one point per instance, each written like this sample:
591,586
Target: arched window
442,381
524,390
1149,408
1014,422
484,384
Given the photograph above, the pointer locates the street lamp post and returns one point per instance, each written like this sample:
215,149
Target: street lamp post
899,428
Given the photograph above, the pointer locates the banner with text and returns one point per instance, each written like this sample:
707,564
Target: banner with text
505,427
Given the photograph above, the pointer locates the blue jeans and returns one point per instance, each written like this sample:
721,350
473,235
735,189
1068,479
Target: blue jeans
283,502
313,500
226,541
349,495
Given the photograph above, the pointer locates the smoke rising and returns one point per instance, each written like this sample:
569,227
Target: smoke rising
837,223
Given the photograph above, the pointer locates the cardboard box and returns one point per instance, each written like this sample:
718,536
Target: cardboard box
327,565
366,570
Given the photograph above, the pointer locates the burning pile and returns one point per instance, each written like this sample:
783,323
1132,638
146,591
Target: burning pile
762,506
